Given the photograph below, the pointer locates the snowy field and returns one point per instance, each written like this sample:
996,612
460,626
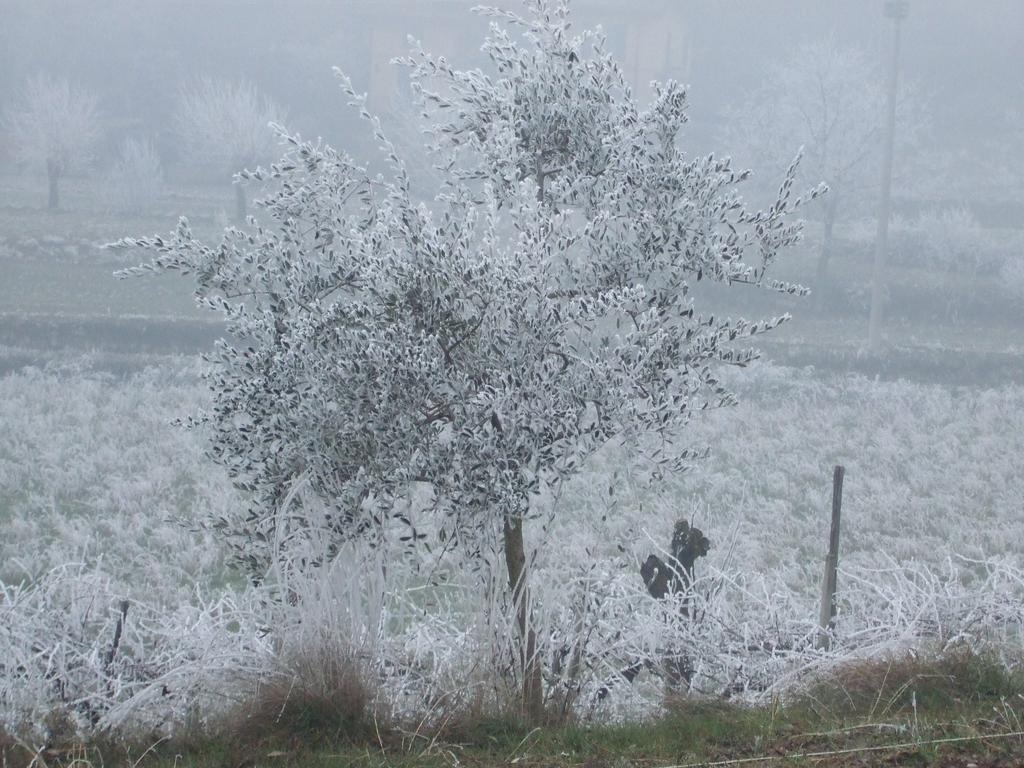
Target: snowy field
450,295
102,499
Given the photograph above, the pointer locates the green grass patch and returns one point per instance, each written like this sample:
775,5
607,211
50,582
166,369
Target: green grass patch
906,711
910,686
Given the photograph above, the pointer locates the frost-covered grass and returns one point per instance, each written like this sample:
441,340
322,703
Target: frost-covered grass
931,471
99,496
92,471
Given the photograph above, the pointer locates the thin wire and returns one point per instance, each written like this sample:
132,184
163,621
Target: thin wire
880,748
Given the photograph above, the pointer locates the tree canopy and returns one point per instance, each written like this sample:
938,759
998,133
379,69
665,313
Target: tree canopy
54,126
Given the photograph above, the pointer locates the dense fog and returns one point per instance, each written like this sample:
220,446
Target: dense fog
763,80
468,491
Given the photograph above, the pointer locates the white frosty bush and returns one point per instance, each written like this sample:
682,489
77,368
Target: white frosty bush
425,653
135,182
955,240
77,653
1012,275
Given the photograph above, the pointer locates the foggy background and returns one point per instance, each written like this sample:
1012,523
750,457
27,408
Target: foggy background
957,172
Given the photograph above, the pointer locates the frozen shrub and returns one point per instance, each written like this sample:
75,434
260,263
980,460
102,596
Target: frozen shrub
954,241
136,180
1012,275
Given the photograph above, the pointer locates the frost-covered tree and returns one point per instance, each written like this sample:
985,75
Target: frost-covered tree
485,345
829,99
227,125
54,126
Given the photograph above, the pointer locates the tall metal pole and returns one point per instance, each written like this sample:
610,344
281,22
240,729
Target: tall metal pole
897,11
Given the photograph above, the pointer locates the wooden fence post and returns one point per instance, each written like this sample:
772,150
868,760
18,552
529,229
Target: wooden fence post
826,619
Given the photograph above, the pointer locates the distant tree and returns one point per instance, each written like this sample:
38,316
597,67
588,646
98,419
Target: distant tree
227,125
485,345
54,126
830,100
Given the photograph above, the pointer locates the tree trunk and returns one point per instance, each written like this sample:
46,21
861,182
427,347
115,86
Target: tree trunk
53,174
532,701
826,251
240,205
